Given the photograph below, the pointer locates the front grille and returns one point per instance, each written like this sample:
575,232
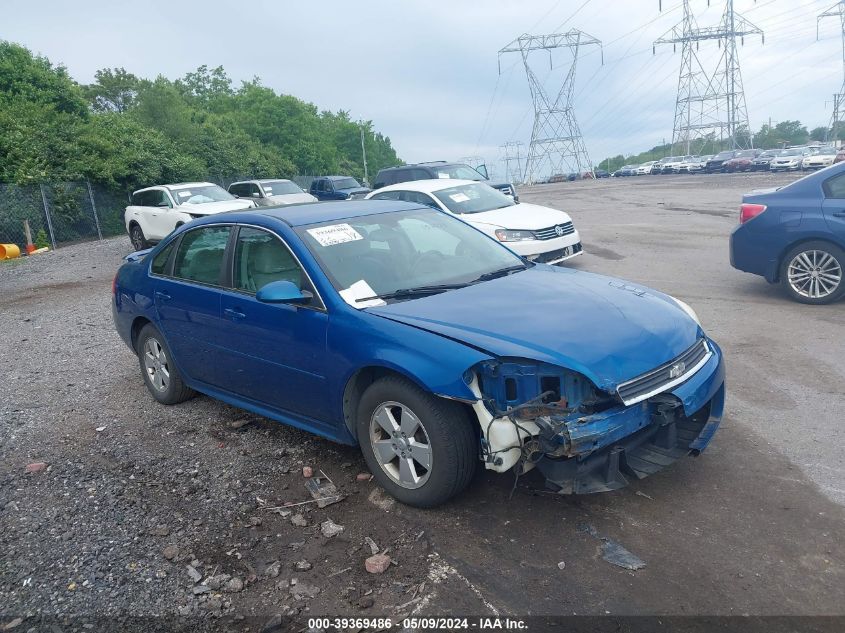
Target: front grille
672,373
552,232
507,190
551,256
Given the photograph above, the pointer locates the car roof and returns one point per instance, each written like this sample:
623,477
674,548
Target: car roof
318,212
177,185
429,186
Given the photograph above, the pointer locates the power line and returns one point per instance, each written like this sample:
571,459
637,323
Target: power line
838,10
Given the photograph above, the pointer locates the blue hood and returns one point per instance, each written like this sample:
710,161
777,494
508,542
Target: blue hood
607,329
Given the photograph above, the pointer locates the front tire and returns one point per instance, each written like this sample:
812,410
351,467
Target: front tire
162,378
136,236
420,448
812,273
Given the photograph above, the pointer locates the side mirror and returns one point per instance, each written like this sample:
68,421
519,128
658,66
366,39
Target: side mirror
255,194
236,195
283,292
482,169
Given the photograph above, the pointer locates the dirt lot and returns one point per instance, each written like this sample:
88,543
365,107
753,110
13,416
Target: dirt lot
145,510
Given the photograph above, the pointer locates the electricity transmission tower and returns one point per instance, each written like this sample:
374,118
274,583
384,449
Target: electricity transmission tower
710,105
557,145
838,10
512,157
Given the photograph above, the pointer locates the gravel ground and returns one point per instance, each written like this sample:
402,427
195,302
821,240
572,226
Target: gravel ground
145,513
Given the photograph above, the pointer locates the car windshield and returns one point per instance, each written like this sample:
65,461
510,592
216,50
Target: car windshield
768,154
749,153
475,198
674,159
279,187
413,250
792,152
458,172
201,194
724,155
827,151
346,183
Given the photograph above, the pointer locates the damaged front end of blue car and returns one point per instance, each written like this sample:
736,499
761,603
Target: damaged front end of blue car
586,439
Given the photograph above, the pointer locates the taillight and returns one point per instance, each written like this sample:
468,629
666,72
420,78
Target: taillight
749,211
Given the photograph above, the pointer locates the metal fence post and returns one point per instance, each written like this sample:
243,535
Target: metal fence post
94,208
47,214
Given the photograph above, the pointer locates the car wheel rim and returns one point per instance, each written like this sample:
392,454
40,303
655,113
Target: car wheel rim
400,444
156,365
136,238
814,274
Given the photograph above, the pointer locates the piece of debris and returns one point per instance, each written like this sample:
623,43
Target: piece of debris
36,467
12,624
561,565
301,591
642,494
363,477
377,564
366,602
324,491
339,572
329,528
237,424
372,544
613,552
233,585
160,530
274,569
200,589
100,429
302,565
299,521
379,499
170,552
194,574
254,521
307,471
216,581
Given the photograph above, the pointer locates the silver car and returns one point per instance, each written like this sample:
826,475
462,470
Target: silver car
270,192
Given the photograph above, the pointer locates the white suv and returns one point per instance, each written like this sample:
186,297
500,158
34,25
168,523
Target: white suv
156,211
539,233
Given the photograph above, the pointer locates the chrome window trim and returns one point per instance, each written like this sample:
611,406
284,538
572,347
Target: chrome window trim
666,386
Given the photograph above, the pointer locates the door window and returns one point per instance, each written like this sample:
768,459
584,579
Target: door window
835,187
159,265
387,195
200,255
253,190
261,258
237,190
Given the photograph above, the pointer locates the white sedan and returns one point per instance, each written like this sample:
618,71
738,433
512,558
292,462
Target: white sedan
825,158
539,233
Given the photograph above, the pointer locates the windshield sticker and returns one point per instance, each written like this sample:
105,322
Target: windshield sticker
441,174
459,197
360,290
335,234
184,194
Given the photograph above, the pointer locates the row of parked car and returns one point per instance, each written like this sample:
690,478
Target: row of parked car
540,233
802,158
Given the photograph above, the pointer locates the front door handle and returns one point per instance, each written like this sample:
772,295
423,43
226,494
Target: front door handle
234,314
163,296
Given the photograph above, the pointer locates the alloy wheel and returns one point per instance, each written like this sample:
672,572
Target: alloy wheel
137,238
156,364
814,274
400,444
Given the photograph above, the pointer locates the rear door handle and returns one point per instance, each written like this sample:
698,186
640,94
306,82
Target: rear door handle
163,296
234,314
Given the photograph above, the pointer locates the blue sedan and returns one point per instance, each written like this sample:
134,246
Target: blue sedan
795,236
408,332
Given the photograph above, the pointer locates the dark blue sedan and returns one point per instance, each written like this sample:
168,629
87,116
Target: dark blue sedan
406,331
795,236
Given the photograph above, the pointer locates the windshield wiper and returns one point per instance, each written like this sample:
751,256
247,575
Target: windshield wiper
414,292
502,272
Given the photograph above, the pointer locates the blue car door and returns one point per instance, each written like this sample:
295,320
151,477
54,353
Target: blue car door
275,353
187,302
834,206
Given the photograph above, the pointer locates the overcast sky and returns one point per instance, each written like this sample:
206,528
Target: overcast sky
426,72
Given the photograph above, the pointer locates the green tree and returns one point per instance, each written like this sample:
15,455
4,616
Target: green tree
115,90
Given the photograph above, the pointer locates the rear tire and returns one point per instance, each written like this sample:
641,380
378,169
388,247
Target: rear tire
162,378
136,236
396,418
812,273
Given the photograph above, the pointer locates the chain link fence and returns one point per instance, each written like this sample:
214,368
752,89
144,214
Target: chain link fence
62,213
